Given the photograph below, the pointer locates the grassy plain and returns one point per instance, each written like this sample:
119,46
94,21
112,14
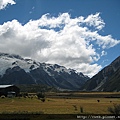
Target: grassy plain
61,103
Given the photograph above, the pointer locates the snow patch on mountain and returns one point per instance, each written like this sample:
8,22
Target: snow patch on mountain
10,61
15,69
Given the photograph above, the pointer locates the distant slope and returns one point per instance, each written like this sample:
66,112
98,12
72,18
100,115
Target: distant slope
113,84
108,79
16,70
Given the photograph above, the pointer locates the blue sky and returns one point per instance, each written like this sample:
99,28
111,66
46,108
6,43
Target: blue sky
79,34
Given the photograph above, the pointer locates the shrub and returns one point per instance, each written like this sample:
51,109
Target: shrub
81,109
25,94
20,95
115,109
43,99
40,95
98,100
75,107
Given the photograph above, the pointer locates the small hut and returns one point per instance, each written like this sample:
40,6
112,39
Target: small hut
9,90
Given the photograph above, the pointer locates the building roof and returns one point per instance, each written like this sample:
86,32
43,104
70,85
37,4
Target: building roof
5,86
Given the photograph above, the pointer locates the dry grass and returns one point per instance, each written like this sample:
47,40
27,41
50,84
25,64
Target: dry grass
57,105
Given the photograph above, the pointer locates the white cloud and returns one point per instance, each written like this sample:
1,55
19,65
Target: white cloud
103,53
63,40
95,20
4,3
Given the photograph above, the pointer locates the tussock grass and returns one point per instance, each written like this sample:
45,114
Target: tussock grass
57,105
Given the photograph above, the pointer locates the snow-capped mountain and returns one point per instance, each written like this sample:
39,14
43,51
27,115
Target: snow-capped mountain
108,79
16,70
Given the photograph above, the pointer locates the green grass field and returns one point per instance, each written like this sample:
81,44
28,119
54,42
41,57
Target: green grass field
62,105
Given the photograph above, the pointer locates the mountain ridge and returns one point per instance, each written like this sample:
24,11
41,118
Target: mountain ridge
16,70
108,76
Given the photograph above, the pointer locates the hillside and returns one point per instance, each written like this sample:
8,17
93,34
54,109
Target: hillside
108,79
16,70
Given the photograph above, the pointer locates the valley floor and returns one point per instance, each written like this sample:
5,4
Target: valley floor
61,104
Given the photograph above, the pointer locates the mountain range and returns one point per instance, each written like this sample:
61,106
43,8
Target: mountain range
17,70
108,79
20,71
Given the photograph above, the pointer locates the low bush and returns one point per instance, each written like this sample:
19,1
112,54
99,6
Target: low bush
81,109
43,99
115,109
75,107
40,95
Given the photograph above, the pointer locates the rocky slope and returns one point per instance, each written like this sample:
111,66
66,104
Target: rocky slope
108,79
17,70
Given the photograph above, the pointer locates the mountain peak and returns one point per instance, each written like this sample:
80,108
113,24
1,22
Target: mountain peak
10,55
17,70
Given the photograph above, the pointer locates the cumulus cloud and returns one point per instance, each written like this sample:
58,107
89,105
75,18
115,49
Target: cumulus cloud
4,3
15,38
62,40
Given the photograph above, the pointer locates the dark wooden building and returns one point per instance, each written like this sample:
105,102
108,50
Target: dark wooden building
9,90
